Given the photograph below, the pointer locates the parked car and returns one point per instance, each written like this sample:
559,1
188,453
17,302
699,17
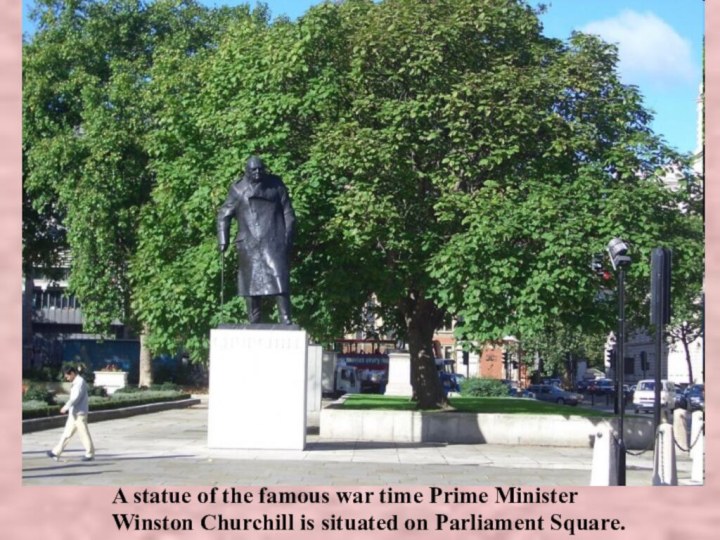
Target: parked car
583,384
513,387
644,396
601,387
550,392
695,397
681,399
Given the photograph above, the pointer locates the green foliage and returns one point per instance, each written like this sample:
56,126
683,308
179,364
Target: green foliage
38,409
39,392
86,117
558,343
42,374
165,386
478,387
476,405
97,391
35,409
128,390
445,157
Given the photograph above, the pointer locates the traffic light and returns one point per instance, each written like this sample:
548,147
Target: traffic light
611,357
661,269
597,265
643,360
506,357
465,358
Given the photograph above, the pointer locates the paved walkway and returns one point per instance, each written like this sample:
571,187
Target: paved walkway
169,448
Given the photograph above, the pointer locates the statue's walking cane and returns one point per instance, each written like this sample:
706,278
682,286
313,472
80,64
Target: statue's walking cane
222,279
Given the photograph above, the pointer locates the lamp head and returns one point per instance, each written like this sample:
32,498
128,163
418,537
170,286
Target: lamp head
617,249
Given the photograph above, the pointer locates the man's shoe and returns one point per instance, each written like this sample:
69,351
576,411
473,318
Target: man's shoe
52,455
88,458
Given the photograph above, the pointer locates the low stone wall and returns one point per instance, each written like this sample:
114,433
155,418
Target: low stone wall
470,428
52,422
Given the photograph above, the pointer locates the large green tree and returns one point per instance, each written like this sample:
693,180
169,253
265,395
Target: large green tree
444,156
86,117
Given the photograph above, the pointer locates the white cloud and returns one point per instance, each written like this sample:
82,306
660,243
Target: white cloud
650,50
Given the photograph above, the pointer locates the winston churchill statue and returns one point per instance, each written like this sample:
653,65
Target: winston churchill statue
266,226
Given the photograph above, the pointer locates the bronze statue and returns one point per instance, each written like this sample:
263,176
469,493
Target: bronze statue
266,226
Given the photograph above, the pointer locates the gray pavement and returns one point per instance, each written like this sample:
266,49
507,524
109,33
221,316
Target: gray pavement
169,448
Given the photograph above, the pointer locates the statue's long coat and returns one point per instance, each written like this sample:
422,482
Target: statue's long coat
266,227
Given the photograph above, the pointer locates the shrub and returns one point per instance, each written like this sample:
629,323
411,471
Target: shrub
99,391
476,387
39,409
39,392
128,390
165,386
45,373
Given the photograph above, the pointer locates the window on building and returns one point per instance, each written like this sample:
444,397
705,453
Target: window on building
629,366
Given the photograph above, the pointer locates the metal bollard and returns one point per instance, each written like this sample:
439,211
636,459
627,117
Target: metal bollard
664,463
604,464
680,427
697,452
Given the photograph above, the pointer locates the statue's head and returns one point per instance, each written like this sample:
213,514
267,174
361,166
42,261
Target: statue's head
255,169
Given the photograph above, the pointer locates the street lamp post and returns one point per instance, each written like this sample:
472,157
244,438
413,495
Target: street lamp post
617,249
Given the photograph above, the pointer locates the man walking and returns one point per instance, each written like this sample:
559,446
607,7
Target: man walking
77,409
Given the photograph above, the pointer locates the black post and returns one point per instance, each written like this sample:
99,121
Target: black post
658,378
620,365
661,265
616,374
617,249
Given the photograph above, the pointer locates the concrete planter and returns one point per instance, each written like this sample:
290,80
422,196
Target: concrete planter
111,380
470,428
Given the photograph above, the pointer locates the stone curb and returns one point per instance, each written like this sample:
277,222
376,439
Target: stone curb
51,422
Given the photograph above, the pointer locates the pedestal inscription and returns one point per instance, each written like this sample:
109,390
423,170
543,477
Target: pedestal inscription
258,389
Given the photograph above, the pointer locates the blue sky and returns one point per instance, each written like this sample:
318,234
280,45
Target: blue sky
660,46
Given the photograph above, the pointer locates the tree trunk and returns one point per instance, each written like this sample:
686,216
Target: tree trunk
686,346
146,377
422,318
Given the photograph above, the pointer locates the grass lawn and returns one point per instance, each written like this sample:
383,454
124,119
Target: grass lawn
492,405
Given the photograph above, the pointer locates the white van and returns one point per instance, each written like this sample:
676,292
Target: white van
644,396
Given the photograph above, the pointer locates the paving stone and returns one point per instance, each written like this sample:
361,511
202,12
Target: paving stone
169,448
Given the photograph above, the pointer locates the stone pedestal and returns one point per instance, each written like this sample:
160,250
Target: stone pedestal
329,360
664,463
314,390
399,375
258,388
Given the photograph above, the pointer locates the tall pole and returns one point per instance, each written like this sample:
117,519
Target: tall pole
620,364
661,264
617,249
659,338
